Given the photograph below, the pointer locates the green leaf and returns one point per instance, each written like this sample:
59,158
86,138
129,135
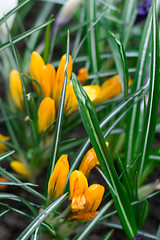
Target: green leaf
121,200
133,117
149,126
27,188
25,34
6,154
124,74
40,218
144,212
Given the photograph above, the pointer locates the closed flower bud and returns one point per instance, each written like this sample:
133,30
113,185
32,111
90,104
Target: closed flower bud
82,75
89,161
2,145
92,91
16,89
58,178
78,186
36,65
47,78
46,114
110,88
60,75
19,168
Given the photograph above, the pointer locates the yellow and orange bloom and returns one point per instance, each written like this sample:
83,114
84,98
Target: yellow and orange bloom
3,147
58,178
85,200
110,88
46,114
78,187
16,89
89,161
19,168
82,75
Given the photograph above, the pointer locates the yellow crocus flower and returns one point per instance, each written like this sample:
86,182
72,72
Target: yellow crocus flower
2,145
20,168
46,114
58,178
16,89
78,187
93,197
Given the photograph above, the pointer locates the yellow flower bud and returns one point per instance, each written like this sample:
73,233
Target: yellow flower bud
36,65
2,145
47,78
58,178
16,89
89,161
82,75
93,197
19,168
2,186
110,88
78,186
57,89
46,114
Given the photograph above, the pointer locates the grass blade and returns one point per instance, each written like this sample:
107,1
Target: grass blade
40,218
149,125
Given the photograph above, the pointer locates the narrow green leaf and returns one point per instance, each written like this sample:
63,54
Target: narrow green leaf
14,10
133,117
6,154
24,35
91,124
15,180
144,212
40,218
47,43
124,66
4,212
149,126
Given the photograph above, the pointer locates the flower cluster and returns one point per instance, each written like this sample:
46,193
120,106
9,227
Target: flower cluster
84,199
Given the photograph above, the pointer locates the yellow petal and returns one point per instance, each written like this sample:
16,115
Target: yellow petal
60,78
82,75
47,78
93,197
58,178
89,161
82,216
110,88
70,100
19,168
78,186
36,65
92,91
16,89
46,114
